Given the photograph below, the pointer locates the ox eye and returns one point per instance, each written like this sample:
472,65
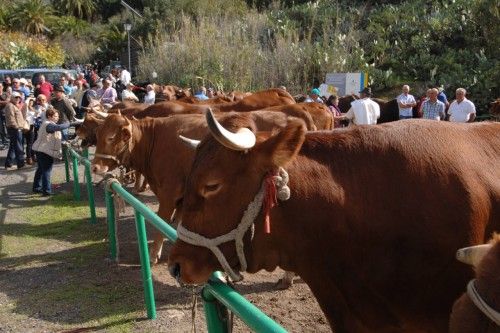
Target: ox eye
210,189
111,138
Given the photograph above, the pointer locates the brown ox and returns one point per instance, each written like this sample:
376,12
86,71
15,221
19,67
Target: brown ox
210,101
123,105
238,95
87,130
466,316
320,117
372,223
165,109
257,101
152,147
165,93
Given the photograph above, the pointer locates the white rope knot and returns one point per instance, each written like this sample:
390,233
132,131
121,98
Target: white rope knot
237,234
281,181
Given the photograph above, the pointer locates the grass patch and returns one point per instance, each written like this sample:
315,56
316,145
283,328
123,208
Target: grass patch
60,207
44,224
114,306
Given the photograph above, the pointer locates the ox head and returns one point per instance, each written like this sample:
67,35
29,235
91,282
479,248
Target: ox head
114,138
226,175
87,130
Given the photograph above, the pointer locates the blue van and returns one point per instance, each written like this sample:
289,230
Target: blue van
8,72
51,75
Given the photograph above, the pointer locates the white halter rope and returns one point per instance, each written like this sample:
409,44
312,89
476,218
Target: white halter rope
237,234
481,304
113,157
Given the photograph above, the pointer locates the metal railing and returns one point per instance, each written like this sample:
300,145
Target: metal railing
71,154
216,294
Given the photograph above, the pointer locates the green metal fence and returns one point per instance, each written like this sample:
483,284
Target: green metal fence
71,155
217,296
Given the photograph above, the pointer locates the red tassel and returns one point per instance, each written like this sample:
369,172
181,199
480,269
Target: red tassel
270,201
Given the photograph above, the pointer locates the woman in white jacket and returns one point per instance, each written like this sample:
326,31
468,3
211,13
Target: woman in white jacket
47,147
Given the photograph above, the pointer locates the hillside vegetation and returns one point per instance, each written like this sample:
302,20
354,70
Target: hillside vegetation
254,44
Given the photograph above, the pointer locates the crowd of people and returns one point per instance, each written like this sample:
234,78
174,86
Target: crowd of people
434,106
35,119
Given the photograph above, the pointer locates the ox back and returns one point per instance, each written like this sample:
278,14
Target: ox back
395,212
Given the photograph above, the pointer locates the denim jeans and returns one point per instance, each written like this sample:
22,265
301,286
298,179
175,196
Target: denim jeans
3,129
405,117
29,138
41,183
16,151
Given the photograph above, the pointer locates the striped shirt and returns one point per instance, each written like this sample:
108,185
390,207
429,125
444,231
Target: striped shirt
434,111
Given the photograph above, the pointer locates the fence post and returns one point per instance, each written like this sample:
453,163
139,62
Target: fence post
85,153
145,266
66,166
76,183
90,192
90,188
212,307
110,217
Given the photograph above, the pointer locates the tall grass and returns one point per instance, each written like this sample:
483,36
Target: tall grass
252,53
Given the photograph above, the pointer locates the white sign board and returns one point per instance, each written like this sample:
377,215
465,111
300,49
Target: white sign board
345,83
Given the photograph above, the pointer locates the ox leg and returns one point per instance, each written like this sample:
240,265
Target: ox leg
144,185
156,247
286,281
137,183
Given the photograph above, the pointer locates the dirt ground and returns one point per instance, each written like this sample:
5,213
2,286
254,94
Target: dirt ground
55,276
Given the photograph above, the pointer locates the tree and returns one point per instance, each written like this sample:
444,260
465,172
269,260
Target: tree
83,9
31,16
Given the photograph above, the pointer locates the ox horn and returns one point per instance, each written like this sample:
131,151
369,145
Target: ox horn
472,255
242,140
101,114
190,142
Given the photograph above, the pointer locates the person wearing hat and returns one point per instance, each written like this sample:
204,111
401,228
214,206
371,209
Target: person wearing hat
150,96
63,106
128,94
24,87
314,96
363,111
442,96
14,121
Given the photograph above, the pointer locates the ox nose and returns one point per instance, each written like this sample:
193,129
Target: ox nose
95,168
175,271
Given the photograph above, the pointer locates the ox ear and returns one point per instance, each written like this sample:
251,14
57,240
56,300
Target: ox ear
126,130
126,133
281,148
